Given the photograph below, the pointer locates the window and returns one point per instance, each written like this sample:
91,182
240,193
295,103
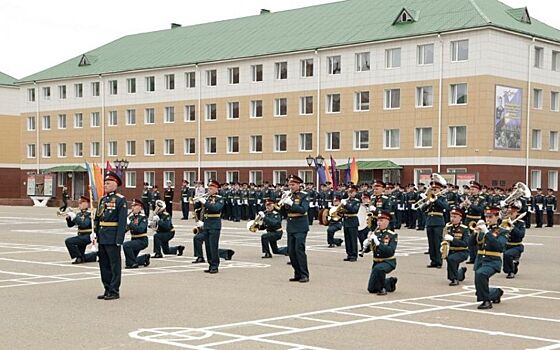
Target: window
307,68
280,107
457,136
151,84
537,98
256,109
149,147
393,58
62,121
170,81
210,111
211,77
458,94
94,149
210,145
190,80
332,141
333,103
256,177
61,181
554,101
31,95
149,116
31,151
169,147
130,148
78,149
280,143
556,61
233,144
459,50
306,175
31,123
424,96
190,146
131,85
62,150
536,139
112,149
47,93
168,176
281,70
233,110
232,176
210,175
306,105
113,118
423,138
95,89
392,139
113,87
190,176
62,92
130,117
130,179
190,113
361,101
306,141
425,54
257,72
150,177
333,65
553,141
46,150
361,139
256,144
539,57
233,75
535,179
362,62
46,122
553,179
79,90
94,120
392,99
169,115
280,176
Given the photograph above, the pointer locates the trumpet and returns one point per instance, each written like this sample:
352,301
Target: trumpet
508,225
253,225
65,212
285,195
431,197
197,199
476,225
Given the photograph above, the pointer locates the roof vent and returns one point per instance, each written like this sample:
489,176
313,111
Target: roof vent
84,61
175,25
521,14
406,16
264,11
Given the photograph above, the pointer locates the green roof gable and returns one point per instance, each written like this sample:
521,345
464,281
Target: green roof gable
5,79
335,24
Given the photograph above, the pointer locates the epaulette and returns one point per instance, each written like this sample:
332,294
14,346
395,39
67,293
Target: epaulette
217,195
384,196
463,226
448,224
303,192
119,195
274,212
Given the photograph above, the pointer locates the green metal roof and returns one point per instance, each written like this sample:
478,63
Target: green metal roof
335,24
372,165
5,79
65,169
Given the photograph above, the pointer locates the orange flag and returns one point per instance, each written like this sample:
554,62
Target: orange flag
354,171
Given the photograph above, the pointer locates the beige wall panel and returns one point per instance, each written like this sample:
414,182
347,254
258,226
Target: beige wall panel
10,136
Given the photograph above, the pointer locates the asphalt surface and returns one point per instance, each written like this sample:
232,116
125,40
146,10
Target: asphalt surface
48,303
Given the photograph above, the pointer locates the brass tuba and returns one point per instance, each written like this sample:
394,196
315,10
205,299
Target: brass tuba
520,190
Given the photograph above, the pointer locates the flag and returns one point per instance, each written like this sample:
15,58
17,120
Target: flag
91,178
334,174
347,178
322,175
328,173
108,167
98,180
354,171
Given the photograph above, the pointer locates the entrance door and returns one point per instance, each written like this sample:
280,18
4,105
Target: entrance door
78,185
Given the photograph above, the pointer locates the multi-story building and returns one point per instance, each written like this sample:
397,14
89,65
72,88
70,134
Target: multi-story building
10,141
468,88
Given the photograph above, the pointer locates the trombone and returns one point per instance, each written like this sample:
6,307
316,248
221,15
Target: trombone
65,212
509,224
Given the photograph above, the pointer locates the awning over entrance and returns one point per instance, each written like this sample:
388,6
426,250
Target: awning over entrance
372,165
65,169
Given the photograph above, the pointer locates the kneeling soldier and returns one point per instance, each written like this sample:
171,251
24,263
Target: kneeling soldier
77,245
272,223
383,242
457,237
161,222
137,224
335,224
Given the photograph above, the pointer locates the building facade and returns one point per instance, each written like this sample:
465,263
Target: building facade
10,139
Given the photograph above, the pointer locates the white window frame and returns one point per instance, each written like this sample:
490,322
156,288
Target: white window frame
46,122
31,95
390,98
452,136
330,108
211,112
257,73
555,61
149,113
278,107
537,98
536,179
555,101
553,179
169,81
210,175
112,118
232,176
358,142
329,140
31,125
190,112
231,113
94,120
553,139
31,150
150,177
131,116
62,121
539,57
190,80
208,145
46,150
62,92
306,107
456,47
187,143
131,148
150,83
536,139
256,177
95,88
306,175
112,149
233,74
278,138
363,61
148,146
421,58
131,85
420,92
130,179
419,136
454,98
168,176
279,69
390,56
303,142
279,176
334,65
211,77
231,140
46,93
78,90
388,135
61,150
190,176
359,105
113,87
256,105
304,63
253,145
169,115
95,149
169,147
78,149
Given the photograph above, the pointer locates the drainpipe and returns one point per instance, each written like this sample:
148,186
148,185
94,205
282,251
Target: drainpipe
198,123
529,94
318,113
37,124
102,120
440,93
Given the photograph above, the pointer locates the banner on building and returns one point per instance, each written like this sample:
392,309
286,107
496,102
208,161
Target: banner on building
507,118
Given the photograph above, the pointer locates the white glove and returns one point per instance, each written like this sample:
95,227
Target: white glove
483,228
127,221
155,218
261,214
448,237
375,240
502,203
202,200
288,202
372,208
423,195
344,201
199,223
92,237
71,215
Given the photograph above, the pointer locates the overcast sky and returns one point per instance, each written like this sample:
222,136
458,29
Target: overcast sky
37,34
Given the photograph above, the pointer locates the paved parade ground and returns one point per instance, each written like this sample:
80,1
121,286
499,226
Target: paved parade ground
48,303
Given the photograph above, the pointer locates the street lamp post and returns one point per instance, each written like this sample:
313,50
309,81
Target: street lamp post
316,162
121,165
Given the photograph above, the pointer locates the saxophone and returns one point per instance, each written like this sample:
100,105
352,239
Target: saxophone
445,244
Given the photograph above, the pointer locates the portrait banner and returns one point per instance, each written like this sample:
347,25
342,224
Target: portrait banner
507,118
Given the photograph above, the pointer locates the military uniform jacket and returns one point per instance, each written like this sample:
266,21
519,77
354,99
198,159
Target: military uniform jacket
146,196
493,243
82,220
110,219
476,209
435,211
272,221
155,196
351,212
460,235
385,251
138,226
312,196
452,199
539,202
186,194
516,235
212,212
551,202
168,195
297,213
411,198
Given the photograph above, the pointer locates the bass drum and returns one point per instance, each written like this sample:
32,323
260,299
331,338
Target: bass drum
324,217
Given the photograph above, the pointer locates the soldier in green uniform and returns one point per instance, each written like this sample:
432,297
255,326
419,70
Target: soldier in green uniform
473,205
110,228
146,199
296,205
77,245
161,222
551,204
272,223
155,196
168,194
137,224
491,241
457,237
434,222
186,197
211,224
514,246
351,206
383,242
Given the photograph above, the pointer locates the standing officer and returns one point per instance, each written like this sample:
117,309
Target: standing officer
296,207
186,196
514,246
335,225
551,204
420,214
313,197
146,199
539,206
168,199
137,224
161,222
351,206
155,196
457,236
473,205
434,221
110,227
212,224
272,223
77,245
383,242
491,241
